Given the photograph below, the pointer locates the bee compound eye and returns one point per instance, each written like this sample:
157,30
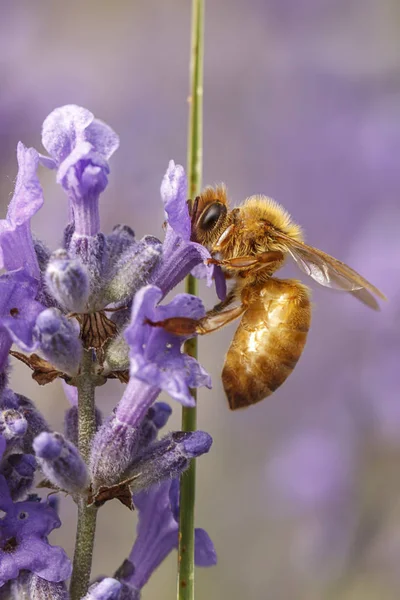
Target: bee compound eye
211,215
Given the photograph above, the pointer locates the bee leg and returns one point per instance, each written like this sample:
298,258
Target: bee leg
243,262
231,296
208,324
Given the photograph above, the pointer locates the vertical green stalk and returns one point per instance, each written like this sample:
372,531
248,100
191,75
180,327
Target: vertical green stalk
185,587
86,527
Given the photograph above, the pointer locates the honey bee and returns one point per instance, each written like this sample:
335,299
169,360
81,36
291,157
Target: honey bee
250,243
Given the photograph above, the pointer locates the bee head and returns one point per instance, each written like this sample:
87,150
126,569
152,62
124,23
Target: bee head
209,215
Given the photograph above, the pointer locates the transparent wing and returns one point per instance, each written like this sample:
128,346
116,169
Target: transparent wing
330,272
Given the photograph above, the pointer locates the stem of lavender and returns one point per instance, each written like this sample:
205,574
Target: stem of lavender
185,587
86,527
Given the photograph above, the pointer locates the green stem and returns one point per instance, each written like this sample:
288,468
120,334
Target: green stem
185,587
86,527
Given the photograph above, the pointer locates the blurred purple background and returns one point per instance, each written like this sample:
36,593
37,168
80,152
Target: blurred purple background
301,493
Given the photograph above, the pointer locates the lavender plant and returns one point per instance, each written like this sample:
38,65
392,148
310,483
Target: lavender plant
82,314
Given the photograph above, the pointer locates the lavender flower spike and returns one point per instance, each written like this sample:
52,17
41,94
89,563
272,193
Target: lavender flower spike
80,146
155,355
16,244
60,462
180,255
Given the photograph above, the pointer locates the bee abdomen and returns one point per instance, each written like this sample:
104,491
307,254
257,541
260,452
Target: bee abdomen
267,345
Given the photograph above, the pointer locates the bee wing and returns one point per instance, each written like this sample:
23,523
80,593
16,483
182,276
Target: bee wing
330,272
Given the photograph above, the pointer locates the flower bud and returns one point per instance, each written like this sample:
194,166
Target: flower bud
121,237
167,458
114,446
61,462
132,270
108,589
13,425
156,417
36,423
59,340
93,253
68,281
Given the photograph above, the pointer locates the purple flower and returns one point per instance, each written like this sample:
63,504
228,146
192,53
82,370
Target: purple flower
116,444
155,355
157,535
156,362
180,255
117,441
24,544
80,146
16,244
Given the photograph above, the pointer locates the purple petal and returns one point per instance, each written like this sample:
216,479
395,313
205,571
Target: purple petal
16,245
18,309
155,354
174,196
46,561
71,393
28,193
157,532
204,551
108,589
6,502
179,258
26,526
62,128
102,137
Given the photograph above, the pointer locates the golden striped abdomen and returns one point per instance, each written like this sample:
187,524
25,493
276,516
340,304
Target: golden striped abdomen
268,342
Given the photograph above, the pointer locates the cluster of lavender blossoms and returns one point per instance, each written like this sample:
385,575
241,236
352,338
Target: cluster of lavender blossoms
80,312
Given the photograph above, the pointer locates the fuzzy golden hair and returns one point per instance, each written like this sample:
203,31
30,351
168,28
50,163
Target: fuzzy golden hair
261,208
217,193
